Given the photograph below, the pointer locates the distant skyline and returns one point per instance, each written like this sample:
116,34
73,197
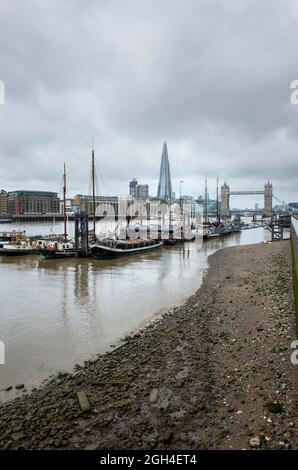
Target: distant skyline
209,76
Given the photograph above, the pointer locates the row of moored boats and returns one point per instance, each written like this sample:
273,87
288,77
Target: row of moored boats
104,248
130,241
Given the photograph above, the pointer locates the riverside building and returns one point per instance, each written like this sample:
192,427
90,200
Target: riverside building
32,203
3,202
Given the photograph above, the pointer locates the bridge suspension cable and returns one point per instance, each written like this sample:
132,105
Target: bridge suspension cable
280,201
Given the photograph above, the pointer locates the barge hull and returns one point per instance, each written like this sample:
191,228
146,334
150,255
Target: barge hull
103,253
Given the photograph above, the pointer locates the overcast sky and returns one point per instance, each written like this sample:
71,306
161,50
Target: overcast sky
211,77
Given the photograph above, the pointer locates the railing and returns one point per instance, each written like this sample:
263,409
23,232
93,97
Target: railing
294,251
295,224
294,235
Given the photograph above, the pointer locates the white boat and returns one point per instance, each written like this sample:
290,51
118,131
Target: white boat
23,248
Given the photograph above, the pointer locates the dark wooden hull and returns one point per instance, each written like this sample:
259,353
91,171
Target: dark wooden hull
19,252
211,236
190,239
220,234
59,254
173,242
178,241
108,253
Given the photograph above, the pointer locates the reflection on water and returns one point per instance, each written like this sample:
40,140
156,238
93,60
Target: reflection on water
56,313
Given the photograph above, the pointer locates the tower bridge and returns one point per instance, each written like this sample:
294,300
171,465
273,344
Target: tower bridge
241,193
226,193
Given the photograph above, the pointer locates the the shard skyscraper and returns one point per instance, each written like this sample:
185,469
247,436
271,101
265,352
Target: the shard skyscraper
165,184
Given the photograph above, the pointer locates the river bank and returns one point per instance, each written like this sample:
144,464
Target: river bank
214,373
79,307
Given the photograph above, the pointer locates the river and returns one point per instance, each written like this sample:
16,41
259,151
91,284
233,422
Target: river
55,314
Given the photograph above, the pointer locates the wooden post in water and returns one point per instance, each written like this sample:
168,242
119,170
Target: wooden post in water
183,226
81,234
85,236
77,235
159,224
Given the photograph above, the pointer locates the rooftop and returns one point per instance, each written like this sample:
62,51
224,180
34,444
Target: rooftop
24,192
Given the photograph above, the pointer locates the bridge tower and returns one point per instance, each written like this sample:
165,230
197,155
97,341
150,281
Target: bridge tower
225,200
268,191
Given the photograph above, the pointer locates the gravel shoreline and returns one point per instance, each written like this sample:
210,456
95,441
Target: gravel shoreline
214,373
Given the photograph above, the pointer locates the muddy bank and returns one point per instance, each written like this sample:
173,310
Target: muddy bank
214,373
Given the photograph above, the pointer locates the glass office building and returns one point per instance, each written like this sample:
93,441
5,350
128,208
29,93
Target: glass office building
165,184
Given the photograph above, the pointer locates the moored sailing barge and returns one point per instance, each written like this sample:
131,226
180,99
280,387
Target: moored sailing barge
110,248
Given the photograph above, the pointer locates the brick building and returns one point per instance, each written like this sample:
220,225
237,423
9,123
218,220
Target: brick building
3,202
33,202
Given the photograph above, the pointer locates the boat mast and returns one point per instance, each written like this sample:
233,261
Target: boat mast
170,217
181,210
217,212
64,203
93,193
206,201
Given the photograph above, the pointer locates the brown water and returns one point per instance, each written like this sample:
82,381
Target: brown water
55,314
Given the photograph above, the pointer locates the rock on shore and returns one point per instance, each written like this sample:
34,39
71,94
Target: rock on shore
212,374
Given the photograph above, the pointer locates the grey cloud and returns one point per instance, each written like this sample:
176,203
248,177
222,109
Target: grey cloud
212,77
